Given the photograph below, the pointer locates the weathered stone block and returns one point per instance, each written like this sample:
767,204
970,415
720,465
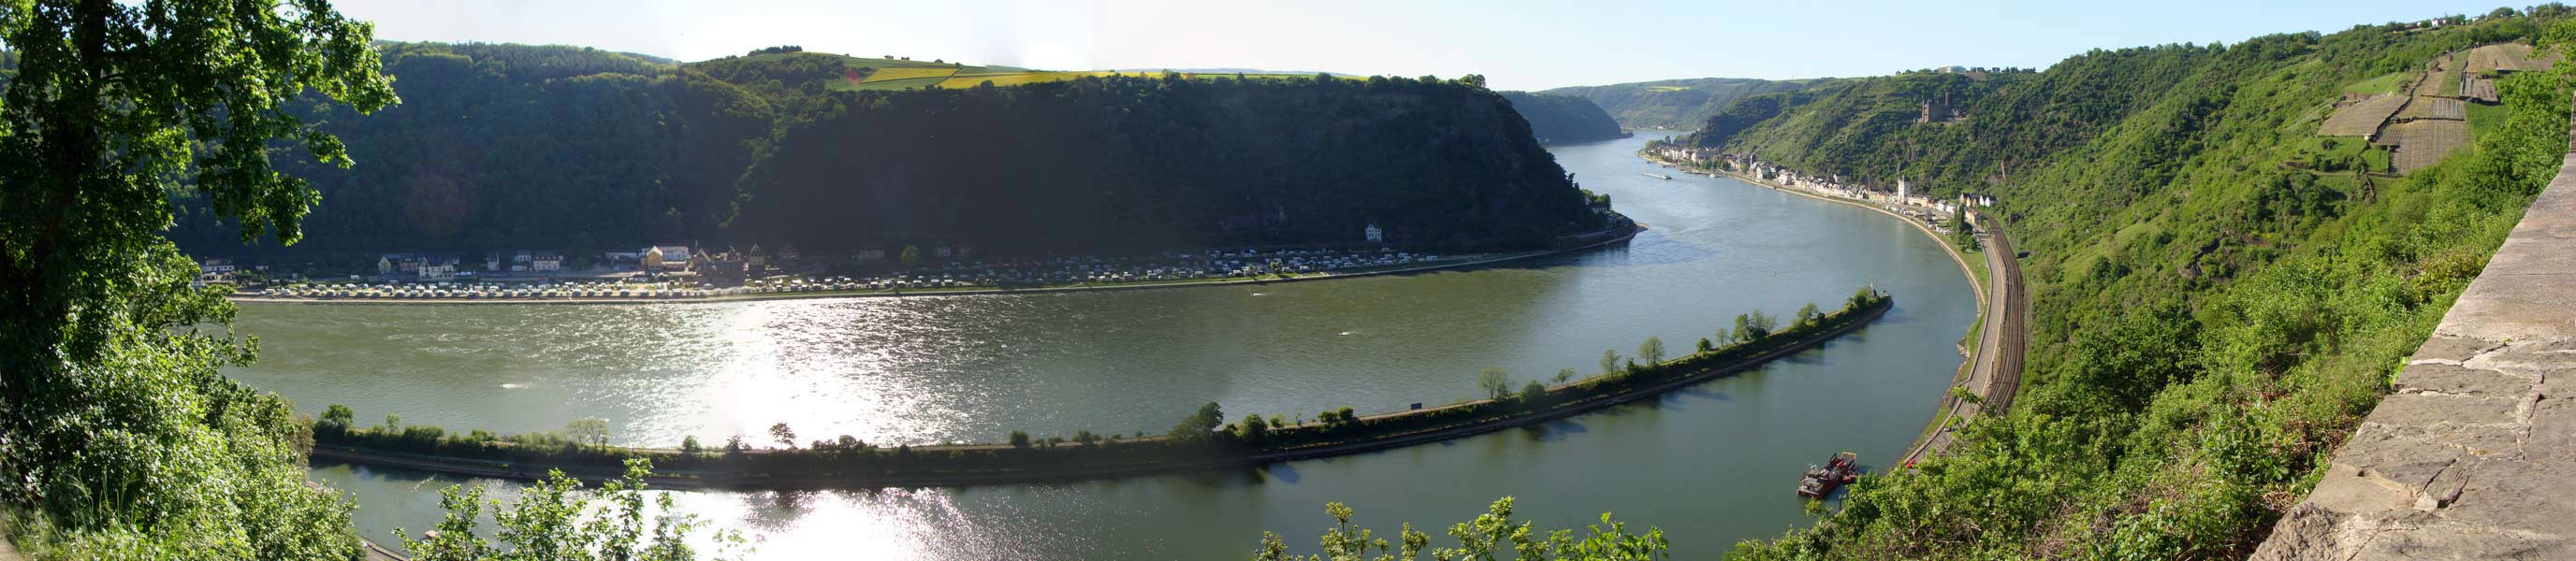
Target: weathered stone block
2427,410
2450,349
2448,379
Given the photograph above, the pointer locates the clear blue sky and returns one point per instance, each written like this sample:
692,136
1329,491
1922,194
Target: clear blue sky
1515,44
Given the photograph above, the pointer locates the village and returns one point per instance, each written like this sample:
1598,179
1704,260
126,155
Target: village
1940,213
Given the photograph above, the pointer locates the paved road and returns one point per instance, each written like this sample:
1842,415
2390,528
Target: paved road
1996,375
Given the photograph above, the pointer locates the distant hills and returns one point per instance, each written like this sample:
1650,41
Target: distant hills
553,147
1562,119
1676,104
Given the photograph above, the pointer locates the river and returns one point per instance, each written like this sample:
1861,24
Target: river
1710,465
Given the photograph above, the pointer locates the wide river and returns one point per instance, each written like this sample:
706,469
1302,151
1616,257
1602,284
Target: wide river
1710,465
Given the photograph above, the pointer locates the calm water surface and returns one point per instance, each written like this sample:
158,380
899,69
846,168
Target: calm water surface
1711,465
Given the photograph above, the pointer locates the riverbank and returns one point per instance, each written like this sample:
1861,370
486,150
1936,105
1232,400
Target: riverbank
1994,327
849,464
1612,238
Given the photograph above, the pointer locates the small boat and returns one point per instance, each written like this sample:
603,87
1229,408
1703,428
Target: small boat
1843,469
1659,176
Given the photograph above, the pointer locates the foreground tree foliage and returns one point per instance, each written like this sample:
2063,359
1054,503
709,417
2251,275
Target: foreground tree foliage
554,521
118,438
1490,536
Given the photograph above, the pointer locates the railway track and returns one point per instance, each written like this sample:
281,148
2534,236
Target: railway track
1996,374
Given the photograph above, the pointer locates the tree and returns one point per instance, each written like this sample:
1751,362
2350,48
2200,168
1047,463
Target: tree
109,358
1200,425
593,432
1019,439
1705,346
786,437
1757,325
1252,430
1533,393
910,257
1807,315
1564,375
1609,362
1651,351
335,419
689,446
1495,382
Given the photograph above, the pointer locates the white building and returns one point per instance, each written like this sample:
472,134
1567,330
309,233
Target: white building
545,262
1374,234
437,271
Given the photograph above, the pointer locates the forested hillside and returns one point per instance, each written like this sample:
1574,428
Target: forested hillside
1560,119
508,146
2214,308
1674,104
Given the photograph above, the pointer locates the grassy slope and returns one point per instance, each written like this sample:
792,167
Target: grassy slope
2208,324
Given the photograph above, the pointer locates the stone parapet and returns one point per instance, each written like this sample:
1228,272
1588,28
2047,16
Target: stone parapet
2473,454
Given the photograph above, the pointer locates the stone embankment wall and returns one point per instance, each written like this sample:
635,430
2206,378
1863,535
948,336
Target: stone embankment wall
2473,455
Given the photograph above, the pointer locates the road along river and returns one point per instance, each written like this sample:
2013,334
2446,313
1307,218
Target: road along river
1711,464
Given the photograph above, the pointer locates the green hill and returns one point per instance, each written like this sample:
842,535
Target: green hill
2219,294
1559,119
1673,104
504,146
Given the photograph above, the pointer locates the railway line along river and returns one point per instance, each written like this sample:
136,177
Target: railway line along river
1710,465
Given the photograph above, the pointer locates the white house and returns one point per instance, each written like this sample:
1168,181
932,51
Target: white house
546,261
437,270
1373,233
215,266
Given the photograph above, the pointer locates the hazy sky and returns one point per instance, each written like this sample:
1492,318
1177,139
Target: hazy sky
1515,44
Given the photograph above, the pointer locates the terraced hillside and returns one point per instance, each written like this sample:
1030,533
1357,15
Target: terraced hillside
2219,293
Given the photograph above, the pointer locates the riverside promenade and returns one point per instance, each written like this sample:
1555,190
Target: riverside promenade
1595,240
2473,452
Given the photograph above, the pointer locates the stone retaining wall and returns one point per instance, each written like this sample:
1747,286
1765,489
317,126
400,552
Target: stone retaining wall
2473,455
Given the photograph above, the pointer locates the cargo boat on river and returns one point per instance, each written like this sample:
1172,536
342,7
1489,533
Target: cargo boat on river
1843,469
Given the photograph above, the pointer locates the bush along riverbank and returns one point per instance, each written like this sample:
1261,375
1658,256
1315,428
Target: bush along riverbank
1203,440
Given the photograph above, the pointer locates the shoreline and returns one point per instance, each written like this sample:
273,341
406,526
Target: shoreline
1850,321
1619,238
1945,411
